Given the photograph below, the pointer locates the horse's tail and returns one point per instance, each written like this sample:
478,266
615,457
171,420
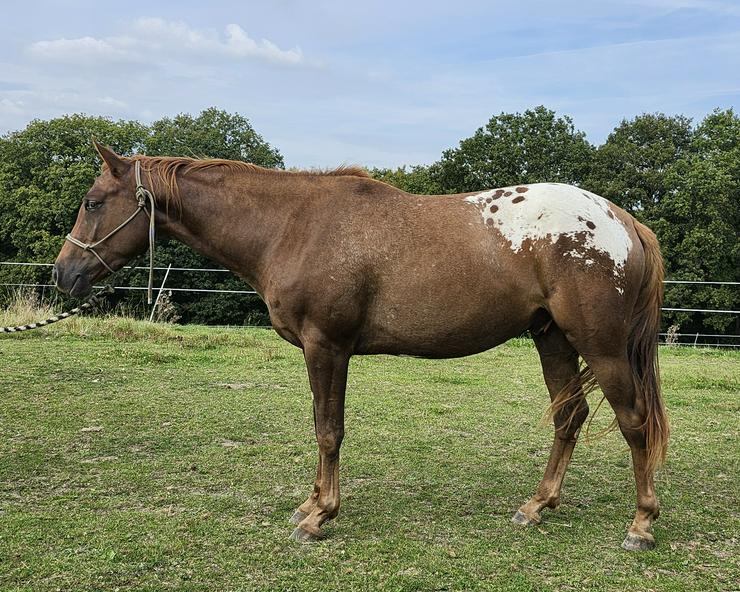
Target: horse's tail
643,349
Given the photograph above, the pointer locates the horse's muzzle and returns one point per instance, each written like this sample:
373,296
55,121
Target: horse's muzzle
71,280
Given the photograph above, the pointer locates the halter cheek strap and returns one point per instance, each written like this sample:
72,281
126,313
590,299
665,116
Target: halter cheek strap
143,195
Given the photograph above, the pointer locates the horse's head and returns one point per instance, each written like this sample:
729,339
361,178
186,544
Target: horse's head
111,227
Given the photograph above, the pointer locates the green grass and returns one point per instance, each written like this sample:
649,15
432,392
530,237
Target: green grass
125,463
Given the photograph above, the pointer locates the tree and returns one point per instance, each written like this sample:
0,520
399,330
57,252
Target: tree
45,170
418,179
697,220
516,148
630,168
684,182
212,134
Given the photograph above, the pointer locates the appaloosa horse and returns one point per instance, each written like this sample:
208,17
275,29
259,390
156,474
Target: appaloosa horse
348,265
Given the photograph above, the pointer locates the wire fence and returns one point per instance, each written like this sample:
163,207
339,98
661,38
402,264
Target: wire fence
672,338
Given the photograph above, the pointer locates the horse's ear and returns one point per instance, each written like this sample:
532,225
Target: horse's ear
118,165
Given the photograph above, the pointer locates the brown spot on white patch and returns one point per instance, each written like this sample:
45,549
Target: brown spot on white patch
517,199
540,216
591,225
499,193
507,193
522,189
489,221
489,200
494,208
609,213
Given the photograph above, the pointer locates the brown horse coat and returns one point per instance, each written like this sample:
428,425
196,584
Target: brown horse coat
348,265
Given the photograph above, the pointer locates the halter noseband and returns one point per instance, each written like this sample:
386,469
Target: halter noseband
142,196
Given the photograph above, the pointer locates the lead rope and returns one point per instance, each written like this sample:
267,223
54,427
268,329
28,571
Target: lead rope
142,194
92,302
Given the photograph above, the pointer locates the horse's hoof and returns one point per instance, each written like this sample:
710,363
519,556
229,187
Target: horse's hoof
297,517
521,518
303,536
634,542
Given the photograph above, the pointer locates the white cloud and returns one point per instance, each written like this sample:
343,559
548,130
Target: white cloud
81,49
155,36
10,107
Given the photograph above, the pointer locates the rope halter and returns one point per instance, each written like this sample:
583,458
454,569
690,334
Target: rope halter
143,195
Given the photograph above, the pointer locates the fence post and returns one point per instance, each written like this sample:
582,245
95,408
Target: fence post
159,294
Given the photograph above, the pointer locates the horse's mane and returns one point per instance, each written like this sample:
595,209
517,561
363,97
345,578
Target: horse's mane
165,170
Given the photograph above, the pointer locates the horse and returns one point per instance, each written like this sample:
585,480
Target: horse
348,265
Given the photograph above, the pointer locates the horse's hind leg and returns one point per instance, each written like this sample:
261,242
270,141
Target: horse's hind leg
560,367
615,378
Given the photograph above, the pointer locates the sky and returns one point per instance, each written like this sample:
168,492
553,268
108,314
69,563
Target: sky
371,83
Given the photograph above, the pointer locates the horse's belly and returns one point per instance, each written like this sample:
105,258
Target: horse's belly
439,327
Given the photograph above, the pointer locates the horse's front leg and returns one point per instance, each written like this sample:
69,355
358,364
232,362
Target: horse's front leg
327,372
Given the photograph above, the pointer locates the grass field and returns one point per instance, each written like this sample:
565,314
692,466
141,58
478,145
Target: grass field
149,457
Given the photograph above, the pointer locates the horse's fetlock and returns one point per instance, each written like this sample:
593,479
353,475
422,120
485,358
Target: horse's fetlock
649,508
553,502
329,509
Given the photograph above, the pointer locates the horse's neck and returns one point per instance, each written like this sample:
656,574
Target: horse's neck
235,222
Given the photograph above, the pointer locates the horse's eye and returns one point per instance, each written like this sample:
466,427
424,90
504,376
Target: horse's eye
91,205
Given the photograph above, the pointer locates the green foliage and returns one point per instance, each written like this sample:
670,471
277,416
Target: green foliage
418,179
683,182
630,168
45,170
698,220
527,147
212,134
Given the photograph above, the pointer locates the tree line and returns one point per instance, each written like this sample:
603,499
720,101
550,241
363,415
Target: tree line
679,177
